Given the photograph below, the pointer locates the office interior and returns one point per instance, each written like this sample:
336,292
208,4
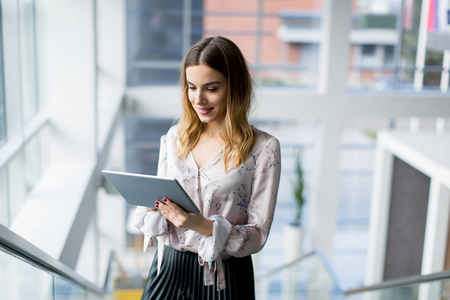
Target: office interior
356,91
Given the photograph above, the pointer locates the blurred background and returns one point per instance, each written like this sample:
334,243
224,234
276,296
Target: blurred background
356,91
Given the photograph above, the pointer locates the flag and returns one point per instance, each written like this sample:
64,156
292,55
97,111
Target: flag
408,15
432,16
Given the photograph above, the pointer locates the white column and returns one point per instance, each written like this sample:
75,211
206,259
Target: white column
379,214
325,186
435,243
333,82
436,233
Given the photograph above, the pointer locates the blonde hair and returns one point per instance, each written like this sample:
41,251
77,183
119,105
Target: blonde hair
224,56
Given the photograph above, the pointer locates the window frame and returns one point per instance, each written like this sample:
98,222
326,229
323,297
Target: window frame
3,124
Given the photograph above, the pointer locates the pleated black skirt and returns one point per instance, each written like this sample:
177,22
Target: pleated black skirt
181,277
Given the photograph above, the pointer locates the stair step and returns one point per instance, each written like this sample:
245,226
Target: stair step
128,294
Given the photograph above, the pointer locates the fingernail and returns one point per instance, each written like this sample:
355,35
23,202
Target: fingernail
165,199
157,205
156,202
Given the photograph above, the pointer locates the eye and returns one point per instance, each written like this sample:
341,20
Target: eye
211,89
190,87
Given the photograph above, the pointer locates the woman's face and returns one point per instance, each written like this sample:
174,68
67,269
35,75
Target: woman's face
207,91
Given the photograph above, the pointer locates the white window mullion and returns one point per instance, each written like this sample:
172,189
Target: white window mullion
445,71
27,50
421,46
11,52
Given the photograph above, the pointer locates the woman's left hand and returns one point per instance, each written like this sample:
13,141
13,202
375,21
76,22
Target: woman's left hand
180,218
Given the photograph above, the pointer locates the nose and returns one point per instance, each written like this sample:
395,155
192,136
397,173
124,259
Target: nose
199,97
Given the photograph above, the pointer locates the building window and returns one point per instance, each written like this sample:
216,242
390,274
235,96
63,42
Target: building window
368,57
388,55
158,34
390,40
274,36
21,128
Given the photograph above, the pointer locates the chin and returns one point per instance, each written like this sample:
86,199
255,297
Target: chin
205,120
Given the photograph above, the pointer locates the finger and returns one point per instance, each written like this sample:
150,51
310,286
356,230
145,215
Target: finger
163,208
173,206
172,212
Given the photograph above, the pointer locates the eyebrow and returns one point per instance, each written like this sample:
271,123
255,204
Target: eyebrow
208,83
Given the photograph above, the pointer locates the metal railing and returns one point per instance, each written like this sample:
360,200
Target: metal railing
312,277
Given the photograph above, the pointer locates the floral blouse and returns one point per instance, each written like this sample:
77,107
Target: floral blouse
240,203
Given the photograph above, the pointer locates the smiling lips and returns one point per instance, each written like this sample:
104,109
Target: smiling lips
204,111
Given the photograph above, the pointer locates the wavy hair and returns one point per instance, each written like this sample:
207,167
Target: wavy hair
224,56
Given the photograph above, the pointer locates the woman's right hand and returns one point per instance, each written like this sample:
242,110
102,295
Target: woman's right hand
180,218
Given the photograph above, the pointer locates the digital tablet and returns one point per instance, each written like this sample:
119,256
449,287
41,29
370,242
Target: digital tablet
144,190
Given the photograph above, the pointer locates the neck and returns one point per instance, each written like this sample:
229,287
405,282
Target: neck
213,130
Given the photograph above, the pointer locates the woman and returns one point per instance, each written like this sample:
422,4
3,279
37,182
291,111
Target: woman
231,171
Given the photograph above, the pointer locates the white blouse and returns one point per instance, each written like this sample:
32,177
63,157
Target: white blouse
240,203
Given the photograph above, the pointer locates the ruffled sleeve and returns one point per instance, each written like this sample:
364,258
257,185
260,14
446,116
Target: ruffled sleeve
250,238
152,223
210,248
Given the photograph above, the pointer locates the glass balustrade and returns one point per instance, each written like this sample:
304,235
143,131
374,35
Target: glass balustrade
22,280
23,275
306,278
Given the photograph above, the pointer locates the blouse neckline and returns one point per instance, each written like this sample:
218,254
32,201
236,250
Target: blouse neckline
211,161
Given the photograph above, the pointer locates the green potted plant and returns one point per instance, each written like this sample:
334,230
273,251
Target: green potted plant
299,185
293,231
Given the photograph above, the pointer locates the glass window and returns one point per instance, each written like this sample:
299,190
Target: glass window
373,41
2,90
368,57
25,169
389,55
32,161
17,187
158,34
280,39
386,43
27,36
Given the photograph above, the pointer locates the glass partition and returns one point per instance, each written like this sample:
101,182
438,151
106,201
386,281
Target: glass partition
22,281
66,290
307,278
2,89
